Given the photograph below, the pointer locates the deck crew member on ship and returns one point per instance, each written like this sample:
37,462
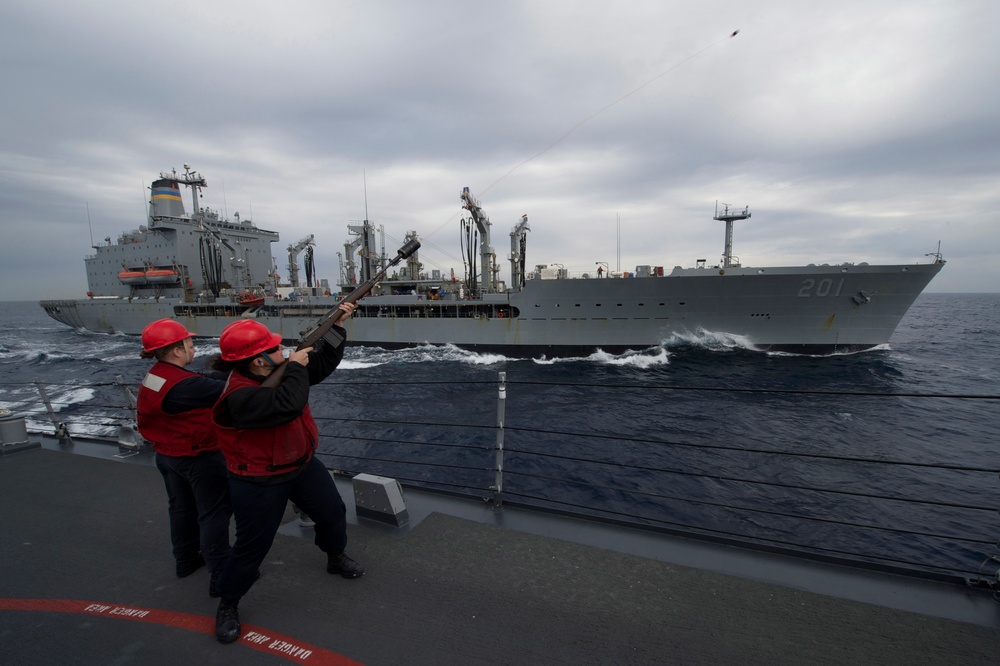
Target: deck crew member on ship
175,414
268,436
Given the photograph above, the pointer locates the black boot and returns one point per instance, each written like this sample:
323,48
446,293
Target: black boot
343,565
227,621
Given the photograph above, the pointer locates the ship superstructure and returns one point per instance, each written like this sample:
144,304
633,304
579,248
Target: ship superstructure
181,255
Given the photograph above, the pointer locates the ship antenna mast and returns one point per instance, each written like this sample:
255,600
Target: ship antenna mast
364,179
728,217
937,254
95,247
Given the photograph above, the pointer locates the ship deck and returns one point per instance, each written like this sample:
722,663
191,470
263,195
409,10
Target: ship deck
87,577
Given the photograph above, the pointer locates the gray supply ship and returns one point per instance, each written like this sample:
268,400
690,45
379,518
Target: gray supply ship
207,271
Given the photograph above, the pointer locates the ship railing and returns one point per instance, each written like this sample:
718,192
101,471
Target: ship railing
905,514
566,274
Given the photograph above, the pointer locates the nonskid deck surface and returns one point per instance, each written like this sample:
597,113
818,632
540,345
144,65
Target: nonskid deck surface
88,578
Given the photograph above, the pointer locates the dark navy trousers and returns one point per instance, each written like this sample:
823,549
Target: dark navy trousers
259,508
199,509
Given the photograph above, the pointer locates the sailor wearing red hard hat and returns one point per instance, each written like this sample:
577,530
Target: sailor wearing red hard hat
175,414
268,436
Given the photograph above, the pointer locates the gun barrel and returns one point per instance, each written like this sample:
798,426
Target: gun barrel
321,328
407,250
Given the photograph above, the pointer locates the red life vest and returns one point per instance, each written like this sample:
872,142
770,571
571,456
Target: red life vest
263,451
185,434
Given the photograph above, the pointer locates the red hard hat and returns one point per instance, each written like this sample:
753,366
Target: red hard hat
163,332
245,338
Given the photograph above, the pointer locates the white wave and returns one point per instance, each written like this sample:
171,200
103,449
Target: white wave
66,396
76,428
367,357
82,332
22,406
453,353
646,358
93,346
116,358
206,347
60,396
711,340
660,355
47,357
26,353
654,357
30,403
36,425
349,364
881,347
17,356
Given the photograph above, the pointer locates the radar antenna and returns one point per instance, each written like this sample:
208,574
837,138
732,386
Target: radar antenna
728,217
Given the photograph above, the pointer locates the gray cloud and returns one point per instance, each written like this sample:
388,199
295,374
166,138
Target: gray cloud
863,131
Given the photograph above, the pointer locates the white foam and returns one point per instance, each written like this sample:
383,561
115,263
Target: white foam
66,396
647,358
711,340
348,364
367,357
881,347
650,358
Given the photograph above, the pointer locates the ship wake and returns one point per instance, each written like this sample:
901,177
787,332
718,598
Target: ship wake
359,358
646,358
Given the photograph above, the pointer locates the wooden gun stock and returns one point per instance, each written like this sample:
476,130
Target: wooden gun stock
327,321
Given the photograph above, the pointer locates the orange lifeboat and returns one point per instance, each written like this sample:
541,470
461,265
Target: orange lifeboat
162,276
249,298
149,276
132,277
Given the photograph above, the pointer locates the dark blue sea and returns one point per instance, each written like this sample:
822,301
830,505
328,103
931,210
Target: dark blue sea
888,456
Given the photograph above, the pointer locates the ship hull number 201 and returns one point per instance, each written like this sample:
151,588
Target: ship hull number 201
824,287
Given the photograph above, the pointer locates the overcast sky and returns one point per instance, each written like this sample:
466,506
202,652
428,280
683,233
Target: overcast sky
855,130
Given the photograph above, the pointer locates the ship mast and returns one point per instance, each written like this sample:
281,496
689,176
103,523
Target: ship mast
728,217
195,181
488,277
363,245
293,265
518,238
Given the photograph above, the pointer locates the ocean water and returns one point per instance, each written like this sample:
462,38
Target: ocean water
888,456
